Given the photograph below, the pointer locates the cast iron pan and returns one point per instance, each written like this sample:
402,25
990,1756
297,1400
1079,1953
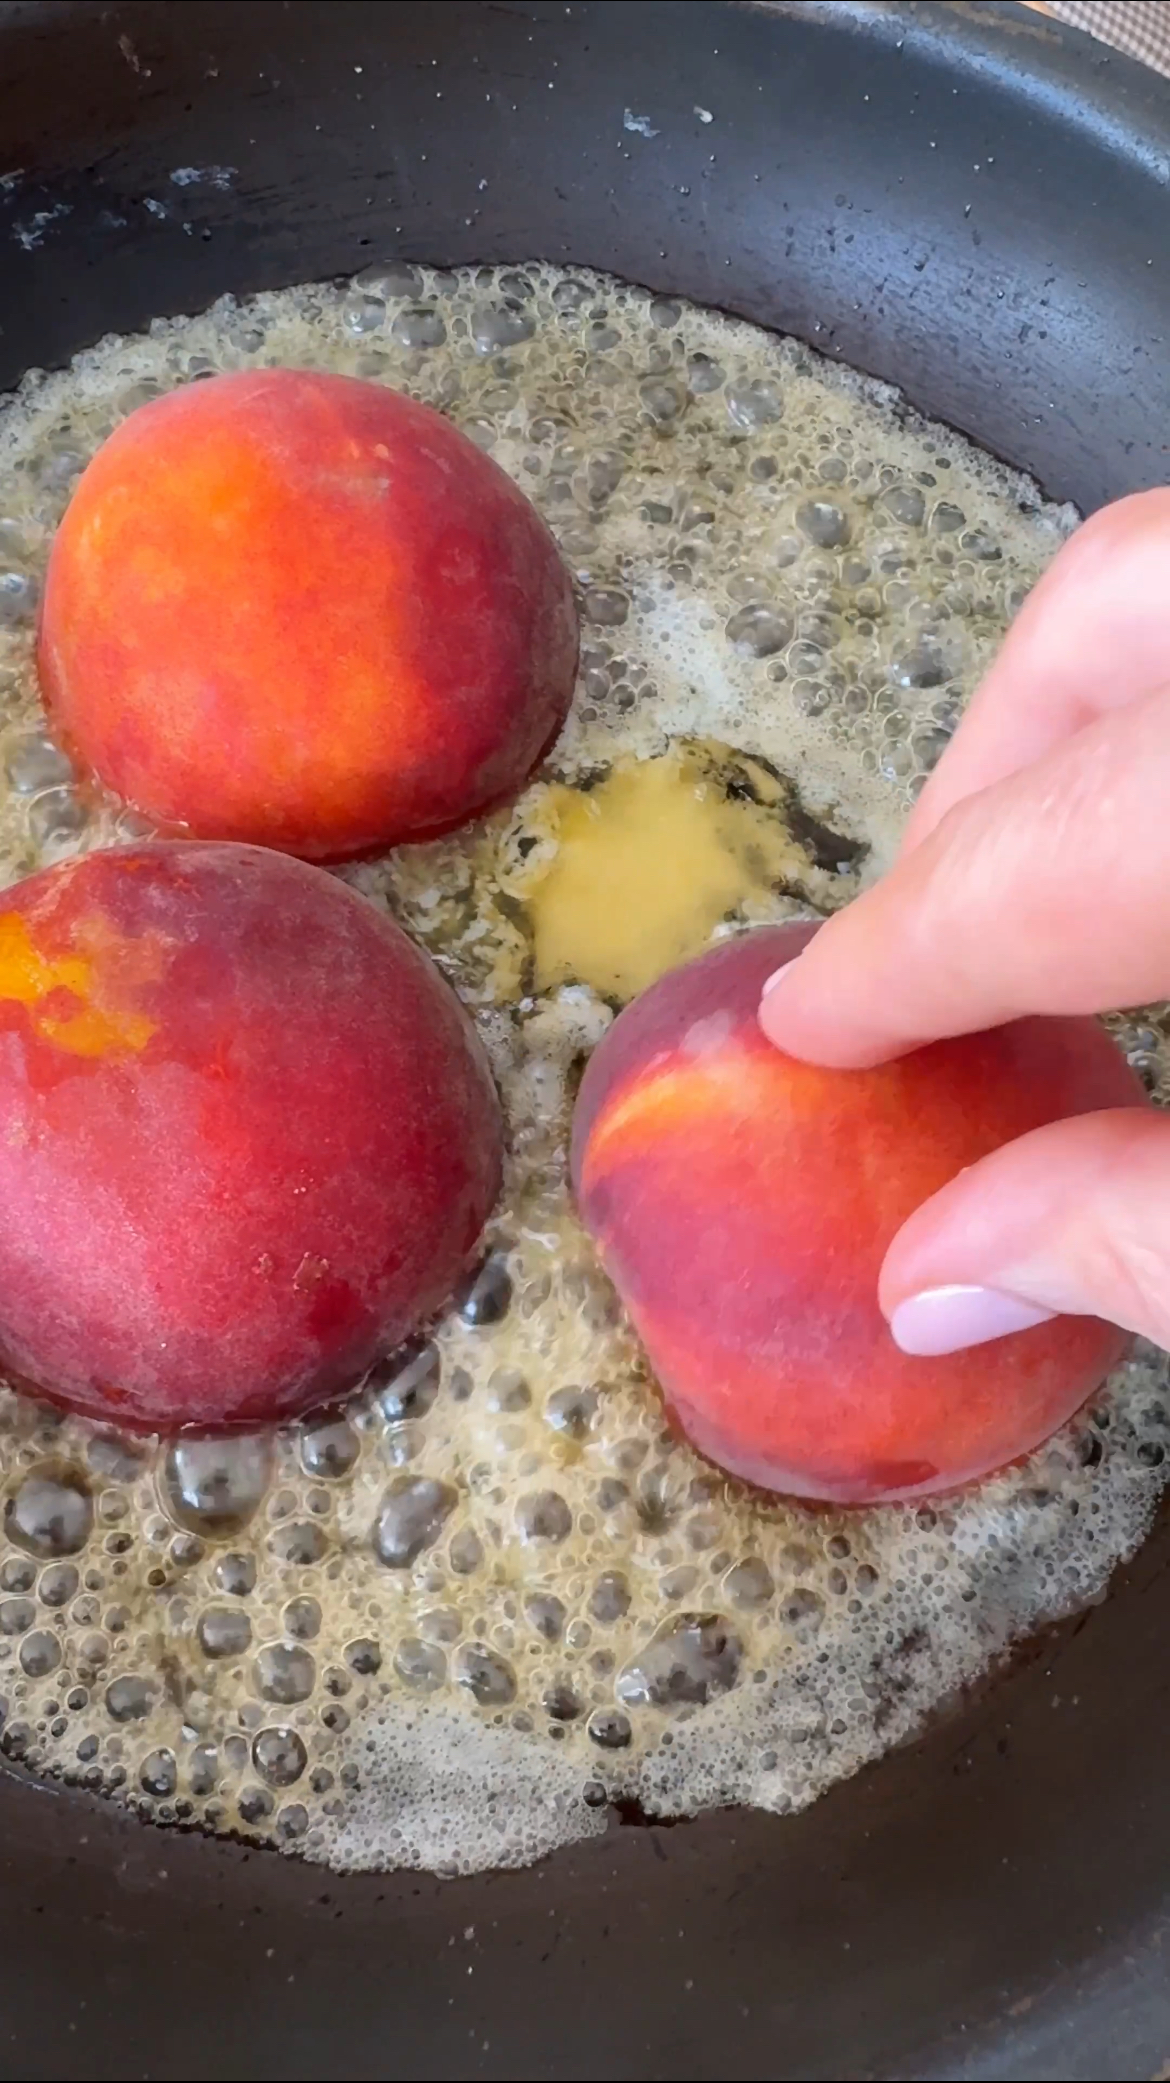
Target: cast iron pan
968,200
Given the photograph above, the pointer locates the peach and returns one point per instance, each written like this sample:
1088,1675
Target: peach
743,1202
250,1138
304,612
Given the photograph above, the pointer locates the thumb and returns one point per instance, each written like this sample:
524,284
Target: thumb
1073,1219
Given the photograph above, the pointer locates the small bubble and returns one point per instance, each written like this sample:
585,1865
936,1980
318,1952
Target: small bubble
419,326
441,1624
55,822
611,1493
487,1296
507,1390
749,1584
758,630
610,1598
236,1574
465,1552
302,1619
603,474
978,544
223,1631
34,763
214,1485
201,1769
364,1656
609,1729
560,1702
572,1410
158,1773
406,1384
18,598
600,337
753,405
283,1674
545,1615
905,503
255,1802
329,1447
390,278
928,747
51,1513
825,524
16,1614
292,1822
411,1518
402,1444
663,400
605,606
300,1542
363,314
705,374
495,328
279,1756
923,665
803,1609
692,1659
40,1653
947,518
488,1677
544,1516
129,1698
420,1664
58,1584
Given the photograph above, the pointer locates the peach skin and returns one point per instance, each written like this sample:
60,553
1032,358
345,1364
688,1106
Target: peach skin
250,1138
304,612
742,1201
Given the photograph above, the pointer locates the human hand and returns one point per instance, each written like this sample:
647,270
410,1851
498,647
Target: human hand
1034,878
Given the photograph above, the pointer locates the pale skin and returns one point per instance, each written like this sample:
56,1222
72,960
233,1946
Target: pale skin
1034,877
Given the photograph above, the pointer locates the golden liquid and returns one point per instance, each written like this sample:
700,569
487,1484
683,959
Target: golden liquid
645,865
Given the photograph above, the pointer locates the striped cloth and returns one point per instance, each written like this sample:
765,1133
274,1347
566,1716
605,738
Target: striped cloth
1140,28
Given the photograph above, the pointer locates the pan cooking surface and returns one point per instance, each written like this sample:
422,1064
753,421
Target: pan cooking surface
447,1627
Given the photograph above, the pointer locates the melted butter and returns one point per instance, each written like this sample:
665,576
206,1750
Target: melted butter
696,473
645,864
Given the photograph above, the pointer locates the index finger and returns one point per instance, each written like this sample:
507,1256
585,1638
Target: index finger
1044,893
1092,636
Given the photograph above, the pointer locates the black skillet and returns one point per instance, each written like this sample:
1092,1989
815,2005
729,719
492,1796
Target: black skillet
970,201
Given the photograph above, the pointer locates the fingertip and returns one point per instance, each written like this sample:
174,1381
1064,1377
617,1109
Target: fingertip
771,1010
958,1315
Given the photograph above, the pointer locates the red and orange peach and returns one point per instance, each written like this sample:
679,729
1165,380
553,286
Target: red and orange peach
249,1135
303,611
743,1203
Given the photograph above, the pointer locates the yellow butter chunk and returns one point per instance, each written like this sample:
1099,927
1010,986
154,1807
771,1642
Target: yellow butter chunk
645,865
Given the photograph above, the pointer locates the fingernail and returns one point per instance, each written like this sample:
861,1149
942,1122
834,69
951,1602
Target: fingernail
777,974
946,1319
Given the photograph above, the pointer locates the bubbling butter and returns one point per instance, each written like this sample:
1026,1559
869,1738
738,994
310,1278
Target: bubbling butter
448,1624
